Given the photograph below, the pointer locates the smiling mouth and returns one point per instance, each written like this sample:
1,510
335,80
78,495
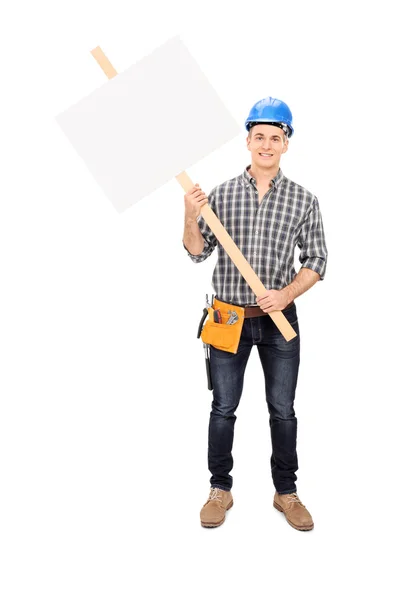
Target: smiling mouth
265,155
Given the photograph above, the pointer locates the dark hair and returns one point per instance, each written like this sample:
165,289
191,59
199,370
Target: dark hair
285,135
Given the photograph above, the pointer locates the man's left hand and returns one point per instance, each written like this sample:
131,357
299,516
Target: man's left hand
274,300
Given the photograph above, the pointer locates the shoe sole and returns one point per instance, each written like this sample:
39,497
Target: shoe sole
210,525
299,528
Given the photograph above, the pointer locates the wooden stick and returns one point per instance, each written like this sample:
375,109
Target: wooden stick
217,228
104,63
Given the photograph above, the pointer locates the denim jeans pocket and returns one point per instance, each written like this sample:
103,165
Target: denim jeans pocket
290,346
291,314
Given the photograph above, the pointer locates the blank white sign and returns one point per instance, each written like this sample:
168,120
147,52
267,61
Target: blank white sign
147,124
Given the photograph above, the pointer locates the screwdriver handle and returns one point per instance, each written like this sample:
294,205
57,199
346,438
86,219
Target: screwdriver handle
217,316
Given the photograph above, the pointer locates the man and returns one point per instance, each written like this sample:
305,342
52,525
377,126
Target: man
267,215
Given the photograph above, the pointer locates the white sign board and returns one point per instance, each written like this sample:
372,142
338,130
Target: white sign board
148,124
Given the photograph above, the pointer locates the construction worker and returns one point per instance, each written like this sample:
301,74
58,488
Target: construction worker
267,215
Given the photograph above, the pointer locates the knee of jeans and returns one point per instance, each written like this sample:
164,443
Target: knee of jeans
282,412
223,407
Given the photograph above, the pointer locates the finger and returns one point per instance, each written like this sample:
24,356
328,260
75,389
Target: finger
264,300
266,304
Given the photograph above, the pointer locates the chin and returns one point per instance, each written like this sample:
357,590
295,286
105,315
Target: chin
264,163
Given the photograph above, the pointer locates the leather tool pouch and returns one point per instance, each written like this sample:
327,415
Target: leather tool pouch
220,335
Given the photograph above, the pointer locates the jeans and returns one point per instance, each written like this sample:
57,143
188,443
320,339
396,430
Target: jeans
280,362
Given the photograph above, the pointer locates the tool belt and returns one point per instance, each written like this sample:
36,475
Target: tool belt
222,335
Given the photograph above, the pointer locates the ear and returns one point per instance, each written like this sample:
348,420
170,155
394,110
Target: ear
248,142
285,146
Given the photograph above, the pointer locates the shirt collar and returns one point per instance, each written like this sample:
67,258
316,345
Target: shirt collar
275,181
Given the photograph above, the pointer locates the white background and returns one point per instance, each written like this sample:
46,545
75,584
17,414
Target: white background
104,402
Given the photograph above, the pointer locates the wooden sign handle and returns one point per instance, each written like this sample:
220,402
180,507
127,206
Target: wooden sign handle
103,61
217,228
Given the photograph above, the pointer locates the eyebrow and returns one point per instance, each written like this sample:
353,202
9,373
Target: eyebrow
262,135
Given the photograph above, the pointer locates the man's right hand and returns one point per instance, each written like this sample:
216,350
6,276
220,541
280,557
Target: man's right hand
195,199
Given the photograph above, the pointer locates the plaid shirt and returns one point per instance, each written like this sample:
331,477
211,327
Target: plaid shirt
266,234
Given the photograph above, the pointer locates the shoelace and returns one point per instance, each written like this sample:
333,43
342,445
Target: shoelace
294,498
214,494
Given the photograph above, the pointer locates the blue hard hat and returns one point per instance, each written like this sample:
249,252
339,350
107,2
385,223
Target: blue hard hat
271,111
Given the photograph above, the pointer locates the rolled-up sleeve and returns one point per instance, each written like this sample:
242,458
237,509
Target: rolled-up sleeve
210,241
312,243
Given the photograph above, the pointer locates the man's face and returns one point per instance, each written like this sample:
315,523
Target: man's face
266,144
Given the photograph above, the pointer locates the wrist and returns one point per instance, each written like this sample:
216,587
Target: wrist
190,219
290,294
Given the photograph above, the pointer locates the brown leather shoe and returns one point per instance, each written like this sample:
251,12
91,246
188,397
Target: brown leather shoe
295,512
213,512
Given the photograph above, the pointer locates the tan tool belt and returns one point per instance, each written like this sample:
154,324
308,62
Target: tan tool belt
220,335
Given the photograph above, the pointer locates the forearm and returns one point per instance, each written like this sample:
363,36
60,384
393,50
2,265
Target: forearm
192,237
303,281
